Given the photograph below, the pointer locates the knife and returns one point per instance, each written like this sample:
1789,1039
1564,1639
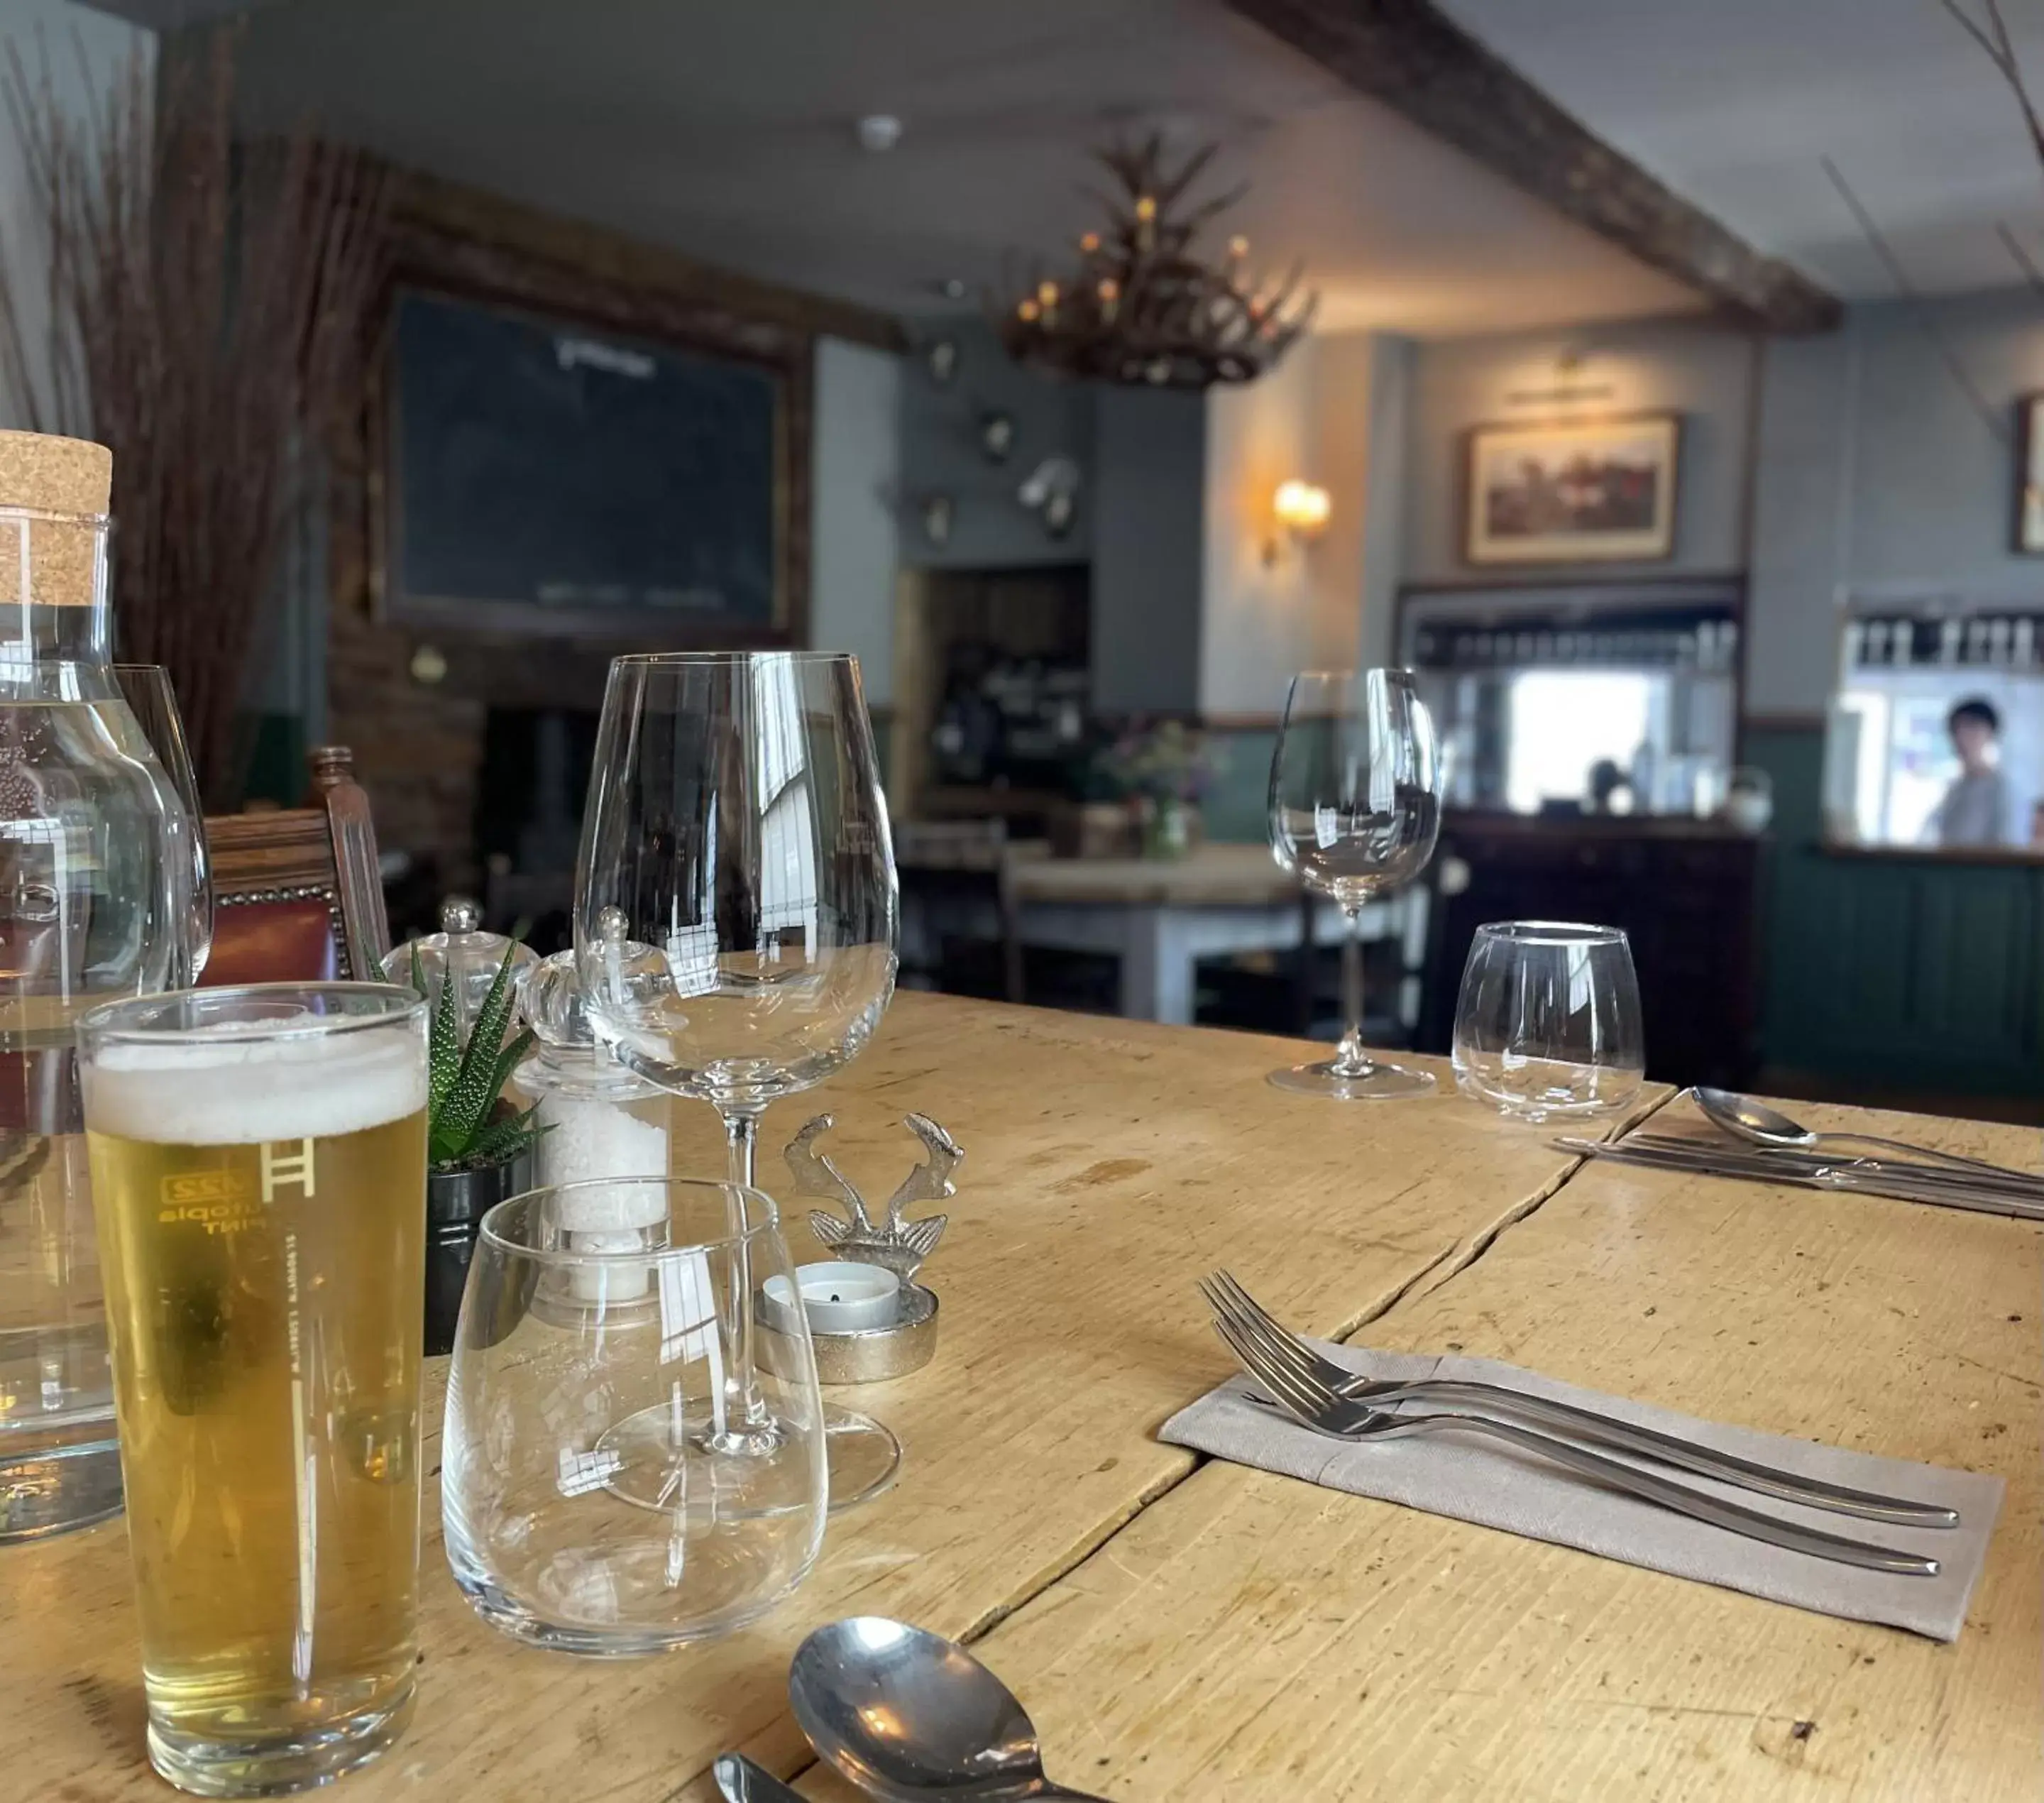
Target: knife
743,1781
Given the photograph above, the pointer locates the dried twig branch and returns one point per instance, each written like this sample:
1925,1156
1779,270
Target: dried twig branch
2023,261
204,299
1994,40
1926,319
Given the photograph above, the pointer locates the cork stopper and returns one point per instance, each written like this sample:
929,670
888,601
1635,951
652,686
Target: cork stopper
58,475
63,563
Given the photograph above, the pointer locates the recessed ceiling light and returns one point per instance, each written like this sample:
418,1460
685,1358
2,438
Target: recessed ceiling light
878,132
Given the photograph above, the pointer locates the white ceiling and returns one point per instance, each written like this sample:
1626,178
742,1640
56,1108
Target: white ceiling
1733,102
724,129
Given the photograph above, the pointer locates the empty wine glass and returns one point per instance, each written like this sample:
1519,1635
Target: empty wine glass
735,909
589,1502
1547,1024
146,688
1355,808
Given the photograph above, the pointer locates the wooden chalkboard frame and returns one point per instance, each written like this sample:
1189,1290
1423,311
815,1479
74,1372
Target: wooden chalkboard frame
514,278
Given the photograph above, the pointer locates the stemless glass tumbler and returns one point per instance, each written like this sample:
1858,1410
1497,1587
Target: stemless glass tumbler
592,1498
1547,1025
259,1172
1356,808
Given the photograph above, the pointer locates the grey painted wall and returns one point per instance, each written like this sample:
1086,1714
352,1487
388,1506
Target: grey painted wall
1803,456
941,454
1878,478
1387,473
853,534
1151,455
1932,480
1703,373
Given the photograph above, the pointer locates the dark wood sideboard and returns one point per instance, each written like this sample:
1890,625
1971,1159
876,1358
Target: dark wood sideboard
1687,894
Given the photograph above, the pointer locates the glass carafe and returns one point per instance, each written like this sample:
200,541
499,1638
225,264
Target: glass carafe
93,904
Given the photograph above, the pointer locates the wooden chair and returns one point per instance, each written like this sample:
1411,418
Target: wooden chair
955,885
297,896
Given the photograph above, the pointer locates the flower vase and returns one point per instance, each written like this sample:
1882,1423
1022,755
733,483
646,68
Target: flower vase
1169,827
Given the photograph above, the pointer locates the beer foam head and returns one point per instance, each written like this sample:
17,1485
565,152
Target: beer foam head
202,1090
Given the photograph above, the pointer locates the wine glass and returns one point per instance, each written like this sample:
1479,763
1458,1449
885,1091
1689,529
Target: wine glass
146,688
1355,808
1548,1024
736,910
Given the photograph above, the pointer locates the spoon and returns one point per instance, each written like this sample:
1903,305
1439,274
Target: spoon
742,1782
1760,1125
908,1716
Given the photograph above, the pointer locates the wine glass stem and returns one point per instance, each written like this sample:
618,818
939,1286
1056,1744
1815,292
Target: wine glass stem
1350,1060
741,1131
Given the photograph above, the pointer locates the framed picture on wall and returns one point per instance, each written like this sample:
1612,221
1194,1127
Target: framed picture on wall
2030,475
1589,491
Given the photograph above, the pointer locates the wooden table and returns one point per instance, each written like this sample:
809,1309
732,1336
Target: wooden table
1182,1629
1161,916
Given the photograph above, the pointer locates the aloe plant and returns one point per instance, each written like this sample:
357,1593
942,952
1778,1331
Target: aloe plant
464,1129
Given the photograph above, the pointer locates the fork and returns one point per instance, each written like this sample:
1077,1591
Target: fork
1231,1301
1316,1406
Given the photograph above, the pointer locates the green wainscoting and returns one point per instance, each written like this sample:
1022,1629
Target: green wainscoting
1237,806
1899,969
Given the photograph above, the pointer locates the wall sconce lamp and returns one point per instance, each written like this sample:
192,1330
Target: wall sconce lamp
1300,509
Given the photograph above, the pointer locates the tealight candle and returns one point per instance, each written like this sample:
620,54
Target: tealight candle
841,1297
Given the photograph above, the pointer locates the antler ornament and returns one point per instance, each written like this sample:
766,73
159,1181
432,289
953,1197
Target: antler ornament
901,1246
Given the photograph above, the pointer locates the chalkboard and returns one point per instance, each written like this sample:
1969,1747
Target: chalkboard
550,477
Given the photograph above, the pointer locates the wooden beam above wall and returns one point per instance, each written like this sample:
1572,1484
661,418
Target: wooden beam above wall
428,207
1409,55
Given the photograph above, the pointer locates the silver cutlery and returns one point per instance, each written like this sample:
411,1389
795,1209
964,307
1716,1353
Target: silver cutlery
1967,1180
742,1782
1316,1406
1949,1189
1232,1302
1758,1124
907,1714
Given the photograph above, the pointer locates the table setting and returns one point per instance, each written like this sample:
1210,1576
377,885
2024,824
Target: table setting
710,1457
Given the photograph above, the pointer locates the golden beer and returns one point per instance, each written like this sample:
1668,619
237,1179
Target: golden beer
260,1199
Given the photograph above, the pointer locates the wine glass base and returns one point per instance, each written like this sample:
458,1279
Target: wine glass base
653,1461
1376,1082
864,1457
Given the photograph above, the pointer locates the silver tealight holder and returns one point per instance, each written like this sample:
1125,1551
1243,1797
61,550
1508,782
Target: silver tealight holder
869,1318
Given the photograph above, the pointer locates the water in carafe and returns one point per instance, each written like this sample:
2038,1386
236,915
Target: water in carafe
91,907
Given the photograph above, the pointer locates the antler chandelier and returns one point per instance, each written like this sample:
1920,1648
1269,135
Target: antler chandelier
1142,307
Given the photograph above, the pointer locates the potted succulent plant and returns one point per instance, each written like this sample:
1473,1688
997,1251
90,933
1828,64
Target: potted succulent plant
479,1141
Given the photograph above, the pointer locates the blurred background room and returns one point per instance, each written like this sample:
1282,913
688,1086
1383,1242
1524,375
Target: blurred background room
1656,382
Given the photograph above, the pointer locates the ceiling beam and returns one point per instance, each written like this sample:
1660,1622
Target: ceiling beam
1410,56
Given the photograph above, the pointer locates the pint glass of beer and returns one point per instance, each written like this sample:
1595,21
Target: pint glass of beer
259,1176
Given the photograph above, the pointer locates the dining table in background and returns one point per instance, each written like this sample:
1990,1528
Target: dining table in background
1158,917
1185,1628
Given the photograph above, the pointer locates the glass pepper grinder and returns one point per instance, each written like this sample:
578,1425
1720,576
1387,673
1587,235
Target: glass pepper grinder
601,1121
460,951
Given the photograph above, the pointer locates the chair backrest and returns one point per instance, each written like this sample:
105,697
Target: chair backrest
297,896
945,865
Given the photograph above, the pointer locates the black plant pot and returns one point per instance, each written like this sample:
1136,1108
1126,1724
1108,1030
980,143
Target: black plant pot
456,1201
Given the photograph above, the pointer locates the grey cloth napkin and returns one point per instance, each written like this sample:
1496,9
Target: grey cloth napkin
1474,1478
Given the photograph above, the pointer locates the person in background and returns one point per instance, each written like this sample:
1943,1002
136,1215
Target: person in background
1975,809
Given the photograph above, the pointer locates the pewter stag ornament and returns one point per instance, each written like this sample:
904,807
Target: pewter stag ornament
901,1246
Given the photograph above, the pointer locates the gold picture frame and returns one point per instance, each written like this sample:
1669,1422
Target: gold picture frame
1578,491
2029,529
